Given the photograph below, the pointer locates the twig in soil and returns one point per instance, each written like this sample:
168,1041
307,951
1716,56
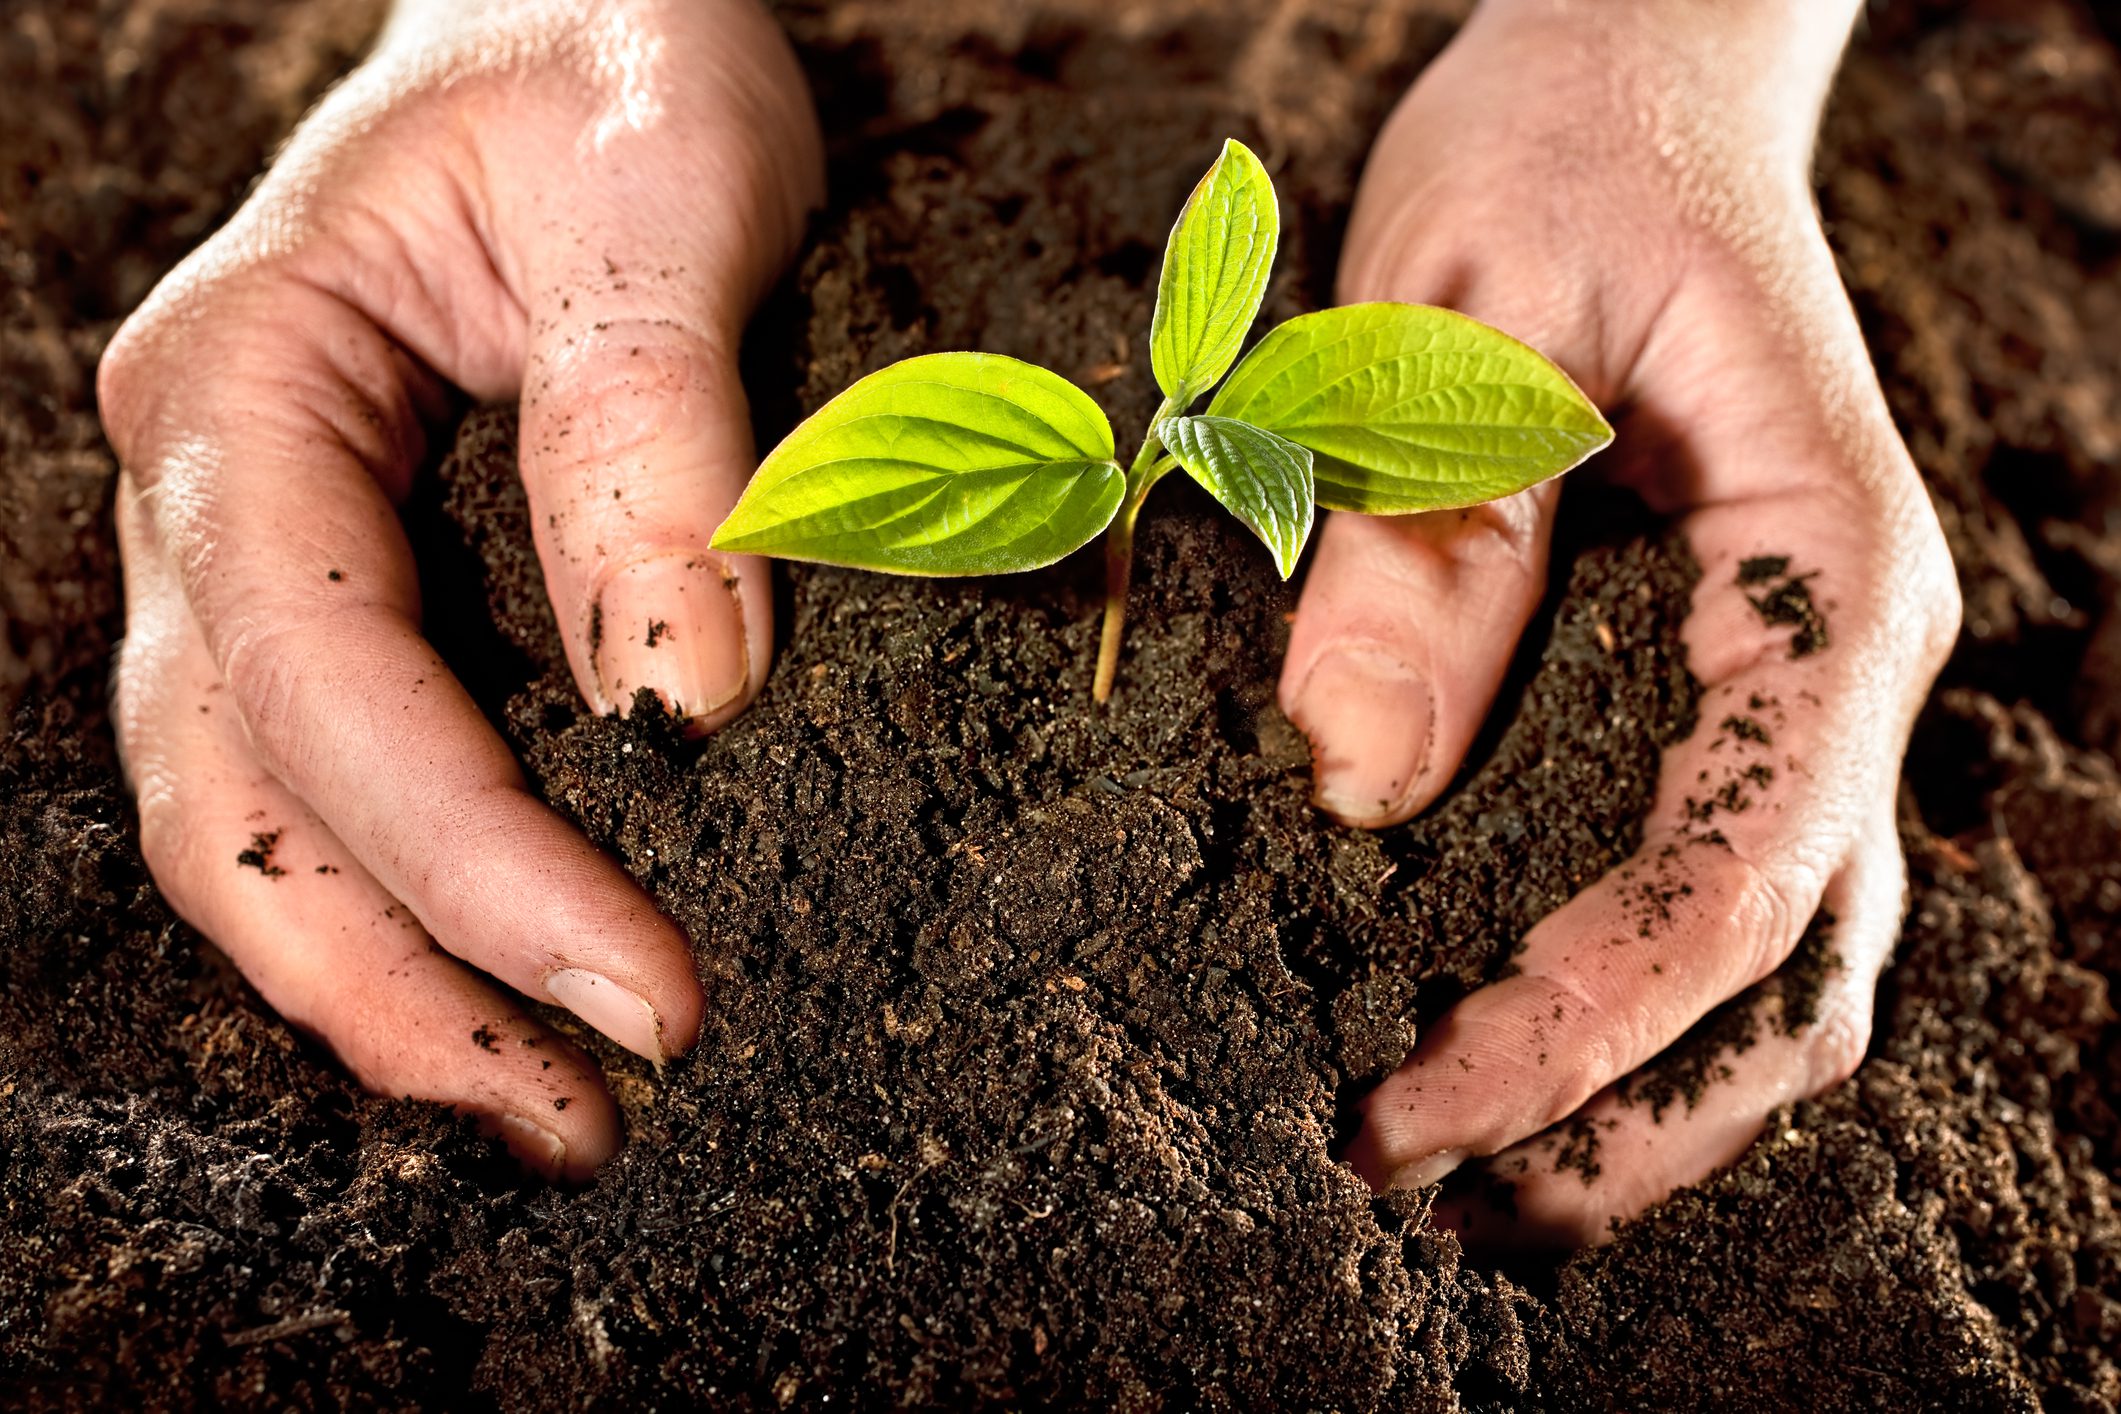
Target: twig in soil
891,1241
293,1325
647,1229
1032,1146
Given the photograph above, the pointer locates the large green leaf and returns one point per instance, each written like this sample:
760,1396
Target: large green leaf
1262,479
1215,272
1410,408
953,463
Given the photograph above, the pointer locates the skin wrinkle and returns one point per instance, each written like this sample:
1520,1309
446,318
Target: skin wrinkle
492,381
606,400
235,610
372,417
599,405
394,284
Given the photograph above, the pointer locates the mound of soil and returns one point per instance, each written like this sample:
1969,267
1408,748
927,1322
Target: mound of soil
1034,1028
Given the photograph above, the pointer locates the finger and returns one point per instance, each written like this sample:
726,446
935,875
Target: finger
1754,812
639,272
243,861
308,603
1405,630
636,442
1682,1118
1407,624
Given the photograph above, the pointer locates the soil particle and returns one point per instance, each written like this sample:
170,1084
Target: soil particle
1577,1151
1760,569
1746,729
1786,601
259,855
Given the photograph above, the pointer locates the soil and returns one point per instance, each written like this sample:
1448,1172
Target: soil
1035,1028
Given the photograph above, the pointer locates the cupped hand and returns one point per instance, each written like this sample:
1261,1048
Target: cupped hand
577,204
1629,192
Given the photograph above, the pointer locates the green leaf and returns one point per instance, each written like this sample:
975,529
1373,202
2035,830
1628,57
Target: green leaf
948,464
1262,479
1215,273
1409,408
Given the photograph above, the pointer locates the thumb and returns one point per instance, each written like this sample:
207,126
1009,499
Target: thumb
1402,637
638,271
636,442
1407,624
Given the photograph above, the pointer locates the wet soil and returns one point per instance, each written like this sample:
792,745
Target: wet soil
1035,1027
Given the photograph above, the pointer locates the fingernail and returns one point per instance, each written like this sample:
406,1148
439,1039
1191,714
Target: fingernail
534,1145
1424,1172
1369,720
610,1008
673,624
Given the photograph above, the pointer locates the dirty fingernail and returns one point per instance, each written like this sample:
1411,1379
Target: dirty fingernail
533,1144
1368,717
1424,1172
672,624
610,1008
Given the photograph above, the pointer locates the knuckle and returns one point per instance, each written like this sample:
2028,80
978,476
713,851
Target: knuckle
170,840
1505,533
264,667
119,376
132,382
139,369
1836,1048
1589,1042
1942,607
1766,919
1917,569
619,390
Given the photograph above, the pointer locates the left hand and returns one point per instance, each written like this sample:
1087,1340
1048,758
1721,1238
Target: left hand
1630,194
571,203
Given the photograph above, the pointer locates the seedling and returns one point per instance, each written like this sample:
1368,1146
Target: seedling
972,463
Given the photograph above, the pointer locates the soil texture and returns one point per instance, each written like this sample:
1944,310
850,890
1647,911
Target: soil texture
1035,1029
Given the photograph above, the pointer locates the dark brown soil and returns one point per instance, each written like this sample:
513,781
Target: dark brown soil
1034,1027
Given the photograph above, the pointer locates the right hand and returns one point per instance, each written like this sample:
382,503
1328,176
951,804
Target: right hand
574,204
1628,188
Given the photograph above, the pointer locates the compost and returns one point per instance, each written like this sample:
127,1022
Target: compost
1035,1028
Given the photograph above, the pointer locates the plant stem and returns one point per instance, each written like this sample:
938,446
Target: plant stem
1119,549
1119,571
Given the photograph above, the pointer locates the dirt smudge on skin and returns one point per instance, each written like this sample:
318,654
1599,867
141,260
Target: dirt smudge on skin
259,855
1785,601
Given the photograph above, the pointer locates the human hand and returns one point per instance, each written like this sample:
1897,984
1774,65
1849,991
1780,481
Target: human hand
1628,191
577,204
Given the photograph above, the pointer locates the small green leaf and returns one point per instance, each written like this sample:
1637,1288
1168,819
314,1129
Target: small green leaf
1215,273
1410,408
1262,479
948,464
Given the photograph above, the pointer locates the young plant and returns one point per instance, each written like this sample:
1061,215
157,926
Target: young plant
970,463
